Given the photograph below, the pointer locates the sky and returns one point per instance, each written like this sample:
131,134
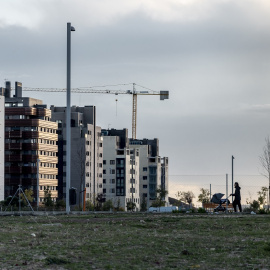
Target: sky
212,56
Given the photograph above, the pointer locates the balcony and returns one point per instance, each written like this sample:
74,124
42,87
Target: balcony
30,158
12,158
13,134
13,170
13,146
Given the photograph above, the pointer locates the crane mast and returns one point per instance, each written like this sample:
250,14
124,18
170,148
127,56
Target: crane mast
90,90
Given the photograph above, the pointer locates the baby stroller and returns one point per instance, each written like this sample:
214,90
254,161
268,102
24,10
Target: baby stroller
222,202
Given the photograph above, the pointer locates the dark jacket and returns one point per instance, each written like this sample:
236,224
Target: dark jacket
237,193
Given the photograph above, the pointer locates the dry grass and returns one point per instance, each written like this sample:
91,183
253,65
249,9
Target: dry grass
135,241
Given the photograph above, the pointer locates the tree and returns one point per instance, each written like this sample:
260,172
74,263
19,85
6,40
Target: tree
265,163
185,196
29,195
262,199
255,205
100,200
143,204
161,194
131,206
48,198
204,196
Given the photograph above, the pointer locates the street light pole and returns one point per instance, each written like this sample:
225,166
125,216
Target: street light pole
232,173
68,116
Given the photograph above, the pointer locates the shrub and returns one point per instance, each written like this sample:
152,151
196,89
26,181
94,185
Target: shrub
107,206
201,210
89,205
131,206
60,204
262,211
255,205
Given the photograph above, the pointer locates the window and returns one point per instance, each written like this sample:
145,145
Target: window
112,171
145,169
112,162
104,171
112,181
104,190
104,162
144,177
104,181
144,186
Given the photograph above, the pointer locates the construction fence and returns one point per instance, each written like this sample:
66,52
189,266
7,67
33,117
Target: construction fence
250,185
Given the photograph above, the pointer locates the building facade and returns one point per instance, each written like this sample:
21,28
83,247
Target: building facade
153,169
86,152
30,146
2,146
120,170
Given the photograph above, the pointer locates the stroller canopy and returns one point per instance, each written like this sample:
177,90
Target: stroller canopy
217,197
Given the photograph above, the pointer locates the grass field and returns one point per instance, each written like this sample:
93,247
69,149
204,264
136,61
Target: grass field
135,241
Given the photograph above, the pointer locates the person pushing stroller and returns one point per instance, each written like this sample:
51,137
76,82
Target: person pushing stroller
237,197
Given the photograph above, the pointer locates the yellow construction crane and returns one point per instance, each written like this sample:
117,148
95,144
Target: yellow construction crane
90,90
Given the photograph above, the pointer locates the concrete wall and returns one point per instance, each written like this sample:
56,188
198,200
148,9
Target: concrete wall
2,146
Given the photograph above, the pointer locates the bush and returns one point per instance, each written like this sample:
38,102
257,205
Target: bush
262,211
180,211
60,204
89,206
107,206
131,206
201,210
255,205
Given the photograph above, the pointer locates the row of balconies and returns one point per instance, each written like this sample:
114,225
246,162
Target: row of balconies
23,181
30,158
31,146
30,123
30,169
18,134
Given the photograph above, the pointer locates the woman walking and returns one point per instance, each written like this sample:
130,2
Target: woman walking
237,197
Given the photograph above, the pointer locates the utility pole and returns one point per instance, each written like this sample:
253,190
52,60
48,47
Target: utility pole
68,116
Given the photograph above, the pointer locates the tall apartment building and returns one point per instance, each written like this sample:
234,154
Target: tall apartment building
120,169
153,169
30,145
86,152
2,146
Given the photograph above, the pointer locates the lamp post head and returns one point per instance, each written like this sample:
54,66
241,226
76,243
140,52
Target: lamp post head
72,28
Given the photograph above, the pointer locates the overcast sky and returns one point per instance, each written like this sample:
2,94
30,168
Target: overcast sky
213,57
